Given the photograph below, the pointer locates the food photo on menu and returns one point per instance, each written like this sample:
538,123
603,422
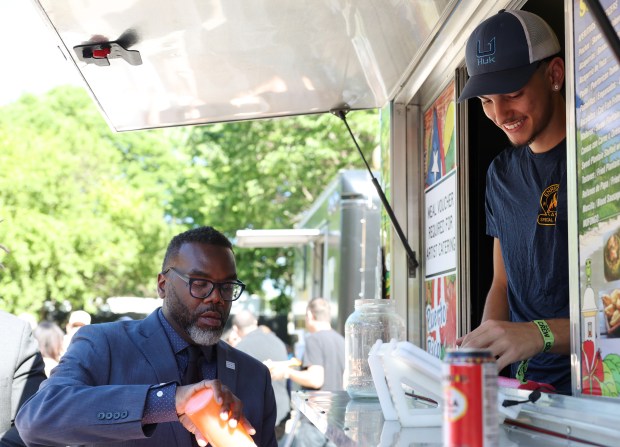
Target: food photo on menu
610,297
611,253
611,311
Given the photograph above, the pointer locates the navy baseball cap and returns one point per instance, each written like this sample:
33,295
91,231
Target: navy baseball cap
503,52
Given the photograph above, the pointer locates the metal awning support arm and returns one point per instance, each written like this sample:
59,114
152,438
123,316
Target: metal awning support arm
606,26
411,256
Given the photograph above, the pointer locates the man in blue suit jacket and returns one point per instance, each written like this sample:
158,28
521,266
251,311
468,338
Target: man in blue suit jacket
124,383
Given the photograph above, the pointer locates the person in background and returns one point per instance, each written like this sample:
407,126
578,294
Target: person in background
513,59
128,382
264,345
77,319
322,366
231,337
50,339
323,360
21,372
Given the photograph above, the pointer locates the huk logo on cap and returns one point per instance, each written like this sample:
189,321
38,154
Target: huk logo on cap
487,56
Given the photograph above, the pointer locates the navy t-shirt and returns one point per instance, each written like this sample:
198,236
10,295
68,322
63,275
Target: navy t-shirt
526,210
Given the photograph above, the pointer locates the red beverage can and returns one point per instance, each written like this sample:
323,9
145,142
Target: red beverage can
470,399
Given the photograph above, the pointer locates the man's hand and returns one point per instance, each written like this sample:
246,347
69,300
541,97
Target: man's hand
231,407
509,342
279,370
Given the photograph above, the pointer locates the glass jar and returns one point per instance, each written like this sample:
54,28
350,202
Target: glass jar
372,319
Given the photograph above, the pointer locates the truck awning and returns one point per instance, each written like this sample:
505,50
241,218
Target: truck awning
159,63
276,238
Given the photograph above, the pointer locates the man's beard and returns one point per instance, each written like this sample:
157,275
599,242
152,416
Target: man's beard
520,143
540,126
185,319
204,337
529,141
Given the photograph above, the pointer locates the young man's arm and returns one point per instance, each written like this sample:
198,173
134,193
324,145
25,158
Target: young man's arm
511,342
312,377
496,304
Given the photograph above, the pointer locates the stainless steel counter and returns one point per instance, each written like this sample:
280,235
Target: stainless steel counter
353,423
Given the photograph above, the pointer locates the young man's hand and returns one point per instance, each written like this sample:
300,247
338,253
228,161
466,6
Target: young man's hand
509,342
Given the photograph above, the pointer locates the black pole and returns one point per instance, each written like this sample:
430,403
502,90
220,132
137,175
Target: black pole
605,25
411,257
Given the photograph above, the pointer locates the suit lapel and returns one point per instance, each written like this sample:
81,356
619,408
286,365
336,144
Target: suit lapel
152,341
227,366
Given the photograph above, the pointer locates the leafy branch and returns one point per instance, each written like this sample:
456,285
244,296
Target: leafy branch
6,250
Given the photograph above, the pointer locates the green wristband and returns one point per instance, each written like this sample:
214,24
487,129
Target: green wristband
548,340
546,333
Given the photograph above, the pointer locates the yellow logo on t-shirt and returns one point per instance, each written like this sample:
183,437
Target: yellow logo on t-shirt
549,205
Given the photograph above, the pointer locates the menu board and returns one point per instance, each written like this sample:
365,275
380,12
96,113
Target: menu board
440,223
597,115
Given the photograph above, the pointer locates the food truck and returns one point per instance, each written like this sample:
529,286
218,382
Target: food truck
159,63
336,244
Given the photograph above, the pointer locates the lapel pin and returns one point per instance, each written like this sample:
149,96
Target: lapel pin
230,365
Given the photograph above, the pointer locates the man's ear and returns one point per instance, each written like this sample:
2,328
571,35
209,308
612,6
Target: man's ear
556,71
161,286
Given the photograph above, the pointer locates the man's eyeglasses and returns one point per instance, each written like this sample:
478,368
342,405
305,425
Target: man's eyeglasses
203,288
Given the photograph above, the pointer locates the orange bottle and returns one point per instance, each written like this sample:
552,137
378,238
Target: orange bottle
204,412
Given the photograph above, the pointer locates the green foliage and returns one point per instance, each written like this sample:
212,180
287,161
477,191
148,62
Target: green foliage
611,365
81,219
608,387
263,174
88,213
281,304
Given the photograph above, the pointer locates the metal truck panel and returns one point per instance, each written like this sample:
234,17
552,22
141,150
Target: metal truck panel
159,63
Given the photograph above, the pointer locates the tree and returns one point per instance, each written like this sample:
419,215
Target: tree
263,174
83,207
88,212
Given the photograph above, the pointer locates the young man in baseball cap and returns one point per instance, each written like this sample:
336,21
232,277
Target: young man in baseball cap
516,72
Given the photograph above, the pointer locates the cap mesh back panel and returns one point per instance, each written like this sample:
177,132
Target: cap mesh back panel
542,38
